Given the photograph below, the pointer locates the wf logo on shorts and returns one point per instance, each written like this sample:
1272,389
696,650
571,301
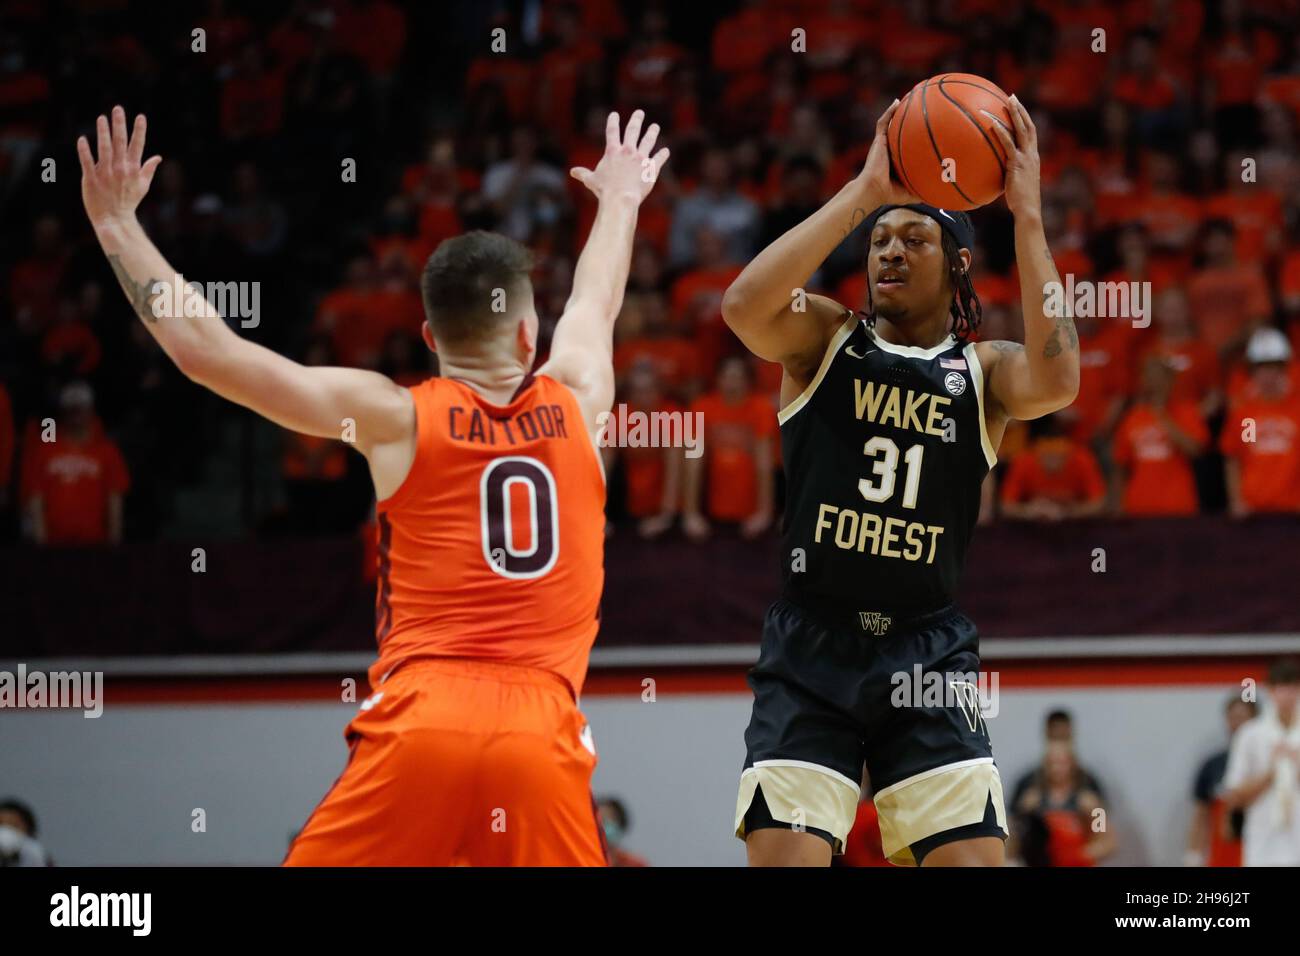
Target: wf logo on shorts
873,622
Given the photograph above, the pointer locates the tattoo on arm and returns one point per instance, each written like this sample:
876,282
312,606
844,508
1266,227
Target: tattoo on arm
1063,337
1007,346
856,219
139,294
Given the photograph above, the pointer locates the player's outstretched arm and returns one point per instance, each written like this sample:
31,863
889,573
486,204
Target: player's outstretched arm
315,401
582,349
763,306
1041,376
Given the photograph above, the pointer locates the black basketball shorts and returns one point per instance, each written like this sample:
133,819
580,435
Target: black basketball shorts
838,692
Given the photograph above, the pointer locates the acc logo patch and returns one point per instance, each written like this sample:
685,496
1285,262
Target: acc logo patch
955,382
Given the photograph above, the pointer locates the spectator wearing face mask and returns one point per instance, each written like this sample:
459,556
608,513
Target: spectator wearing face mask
18,844
614,820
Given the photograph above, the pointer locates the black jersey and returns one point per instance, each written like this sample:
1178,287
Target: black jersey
884,456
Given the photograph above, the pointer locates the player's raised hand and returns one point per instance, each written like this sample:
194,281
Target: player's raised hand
877,175
1023,188
627,168
113,185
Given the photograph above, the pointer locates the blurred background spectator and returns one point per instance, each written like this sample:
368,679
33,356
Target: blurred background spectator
613,817
1060,819
1263,774
18,843
1214,838
74,476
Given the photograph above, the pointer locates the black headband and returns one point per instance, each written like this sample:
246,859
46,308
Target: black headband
961,230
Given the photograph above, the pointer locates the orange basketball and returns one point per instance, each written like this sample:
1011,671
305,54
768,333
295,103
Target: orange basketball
943,148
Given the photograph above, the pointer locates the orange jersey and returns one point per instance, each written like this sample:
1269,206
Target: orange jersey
492,549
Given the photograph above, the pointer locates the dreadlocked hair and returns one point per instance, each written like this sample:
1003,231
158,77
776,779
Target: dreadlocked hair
966,310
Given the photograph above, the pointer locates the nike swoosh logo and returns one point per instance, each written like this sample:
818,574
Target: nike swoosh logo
944,212
849,349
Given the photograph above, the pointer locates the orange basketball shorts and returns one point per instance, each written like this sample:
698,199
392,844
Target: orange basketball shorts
461,763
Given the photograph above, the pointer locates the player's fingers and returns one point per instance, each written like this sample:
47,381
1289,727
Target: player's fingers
1017,119
648,140
1001,132
633,131
119,134
149,168
611,130
135,150
105,141
882,124
581,174
1030,128
661,157
83,154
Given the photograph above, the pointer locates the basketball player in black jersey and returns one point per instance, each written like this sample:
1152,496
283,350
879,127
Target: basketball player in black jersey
890,421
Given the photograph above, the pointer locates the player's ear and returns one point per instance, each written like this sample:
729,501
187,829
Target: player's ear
965,259
426,332
526,336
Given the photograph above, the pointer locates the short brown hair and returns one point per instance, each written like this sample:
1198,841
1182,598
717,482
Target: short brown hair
1285,670
472,283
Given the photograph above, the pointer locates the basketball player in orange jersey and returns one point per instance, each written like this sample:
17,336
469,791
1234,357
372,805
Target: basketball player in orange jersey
890,422
471,748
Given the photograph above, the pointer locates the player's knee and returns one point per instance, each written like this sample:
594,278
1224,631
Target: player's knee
981,851
779,847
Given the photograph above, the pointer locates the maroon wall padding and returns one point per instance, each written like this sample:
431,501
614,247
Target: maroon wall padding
1204,575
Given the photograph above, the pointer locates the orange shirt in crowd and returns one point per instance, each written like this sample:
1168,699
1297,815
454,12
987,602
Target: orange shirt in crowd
1078,480
702,282
74,343
374,34
1254,214
74,480
1240,386
359,322
742,41
1196,367
1159,479
1226,299
1283,89
559,78
644,469
676,360
511,75
731,437
312,458
1104,373
1067,836
1270,465
1168,217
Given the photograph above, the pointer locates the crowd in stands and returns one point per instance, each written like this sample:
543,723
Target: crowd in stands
1170,155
